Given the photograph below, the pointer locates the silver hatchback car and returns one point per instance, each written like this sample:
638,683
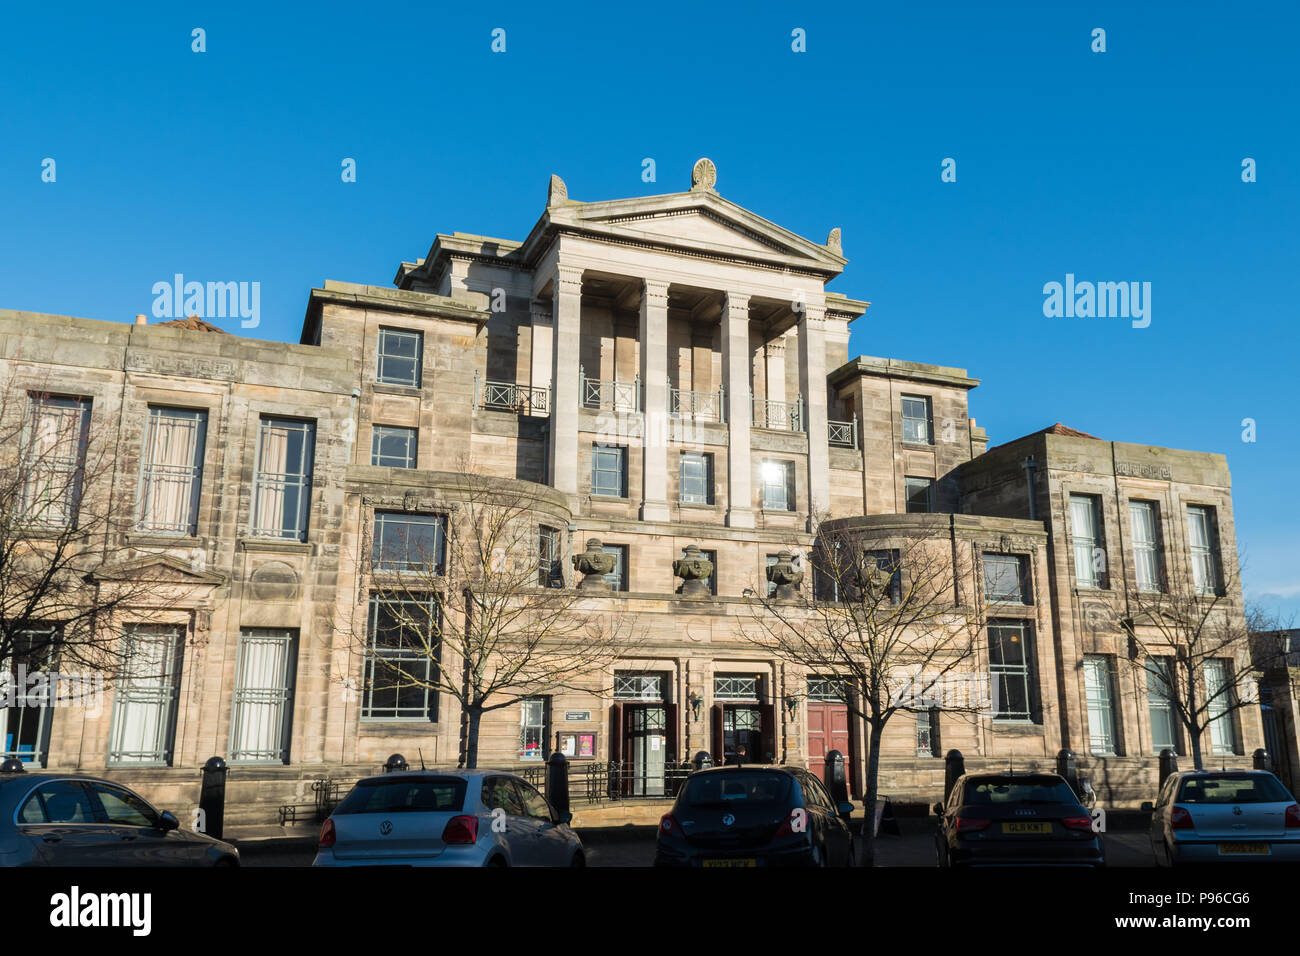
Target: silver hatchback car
1230,816
447,818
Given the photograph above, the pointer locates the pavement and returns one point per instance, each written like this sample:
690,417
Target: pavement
634,846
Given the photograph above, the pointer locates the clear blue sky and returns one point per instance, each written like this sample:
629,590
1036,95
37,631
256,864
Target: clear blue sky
1115,166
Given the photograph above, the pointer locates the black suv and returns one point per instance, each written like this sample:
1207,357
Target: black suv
1015,819
755,816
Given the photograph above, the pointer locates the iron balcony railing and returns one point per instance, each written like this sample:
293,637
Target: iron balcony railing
609,394
699,406
843,434
511,397
784,416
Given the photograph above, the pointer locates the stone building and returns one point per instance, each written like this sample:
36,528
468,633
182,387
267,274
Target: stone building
656,373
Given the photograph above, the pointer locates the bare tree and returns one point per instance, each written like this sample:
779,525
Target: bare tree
1191,641
65,567
885,618
476,609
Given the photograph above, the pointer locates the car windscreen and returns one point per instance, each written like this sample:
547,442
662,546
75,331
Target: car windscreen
420,795
994,791
739,789
1232,788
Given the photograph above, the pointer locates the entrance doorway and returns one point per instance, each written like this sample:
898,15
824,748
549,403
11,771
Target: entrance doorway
646,745
829,728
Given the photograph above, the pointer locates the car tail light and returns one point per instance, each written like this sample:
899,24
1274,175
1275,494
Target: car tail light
327,835
1293,815
967,824
461,830
668,826
1077,823
1180,819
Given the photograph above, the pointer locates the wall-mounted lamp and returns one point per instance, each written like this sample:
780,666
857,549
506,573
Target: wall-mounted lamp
792,705
696,702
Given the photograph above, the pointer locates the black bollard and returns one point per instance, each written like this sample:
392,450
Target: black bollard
954,766
703,761
557,783
212,797
836,779
1262,761
395,763
12,765
1068,768
1168,764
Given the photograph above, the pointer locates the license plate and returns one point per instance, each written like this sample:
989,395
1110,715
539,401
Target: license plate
1243,849
1026,828
745,862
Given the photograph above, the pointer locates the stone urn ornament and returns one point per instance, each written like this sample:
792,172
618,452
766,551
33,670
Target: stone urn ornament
785,576
594,564
695,570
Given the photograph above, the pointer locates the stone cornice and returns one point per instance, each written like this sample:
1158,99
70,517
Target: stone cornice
867,365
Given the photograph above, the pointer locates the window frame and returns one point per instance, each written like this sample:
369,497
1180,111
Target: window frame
1094,580
377,435
383,517
908,481
165,696
1099,700
1146,554
542,727
385,331
264,481
705,460
1023,672
786,469
550,569
621,567
597,449
928,420
1208,567
150,472
370,667
34,504
1021,594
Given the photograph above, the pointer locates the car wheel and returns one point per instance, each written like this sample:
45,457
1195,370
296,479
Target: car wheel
498,862
578,860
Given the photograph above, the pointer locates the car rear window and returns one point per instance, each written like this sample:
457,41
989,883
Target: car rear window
993,791
1233,788
737,789
421,795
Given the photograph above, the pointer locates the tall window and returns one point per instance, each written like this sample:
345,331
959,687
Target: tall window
550,572
400,357
24,718
1164,726
53,461
618,577
609,470
392,446
1146,553
778,485
916,420
1099,691
888,563
920,494
1218,699
533,718
263,703
144,702
402,659
282,485
1089,559
172,470
1004,578
696,478
1009,669
410,542
1200,532
927,732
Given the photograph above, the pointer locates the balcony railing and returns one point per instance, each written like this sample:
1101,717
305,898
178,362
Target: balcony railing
843,434
698,406
784,416
607,393
510,397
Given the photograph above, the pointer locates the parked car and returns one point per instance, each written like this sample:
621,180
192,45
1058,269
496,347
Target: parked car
755,816
1233,816
447,818
49,819
1015,819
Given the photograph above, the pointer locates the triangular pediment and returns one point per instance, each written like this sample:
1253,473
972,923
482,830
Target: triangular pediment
699,221
162,568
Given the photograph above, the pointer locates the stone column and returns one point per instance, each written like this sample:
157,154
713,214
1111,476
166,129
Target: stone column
543,332
812,384
740,415
567,324
774,369
654,381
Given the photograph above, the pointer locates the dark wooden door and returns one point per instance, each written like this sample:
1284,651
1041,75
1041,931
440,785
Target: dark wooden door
828,729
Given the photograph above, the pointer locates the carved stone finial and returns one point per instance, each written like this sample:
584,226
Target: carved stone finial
557,193
833,241
594,564
695,570
785,576
704,175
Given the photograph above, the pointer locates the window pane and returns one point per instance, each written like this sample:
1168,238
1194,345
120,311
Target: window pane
393,447
1009,670
618,577
1101,711
607,474
920,499
916,420
171,470
1163,727
1145,554
399,357
143,723
1083,529
778,479
262,709
409,542
1003,575
53,459
282,486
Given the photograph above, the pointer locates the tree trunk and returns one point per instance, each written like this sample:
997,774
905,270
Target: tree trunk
1194,738
475,714
870,798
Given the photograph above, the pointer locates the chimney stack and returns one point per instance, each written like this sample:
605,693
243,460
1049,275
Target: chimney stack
141,320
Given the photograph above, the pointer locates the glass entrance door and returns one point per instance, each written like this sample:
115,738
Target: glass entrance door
647,748
742,726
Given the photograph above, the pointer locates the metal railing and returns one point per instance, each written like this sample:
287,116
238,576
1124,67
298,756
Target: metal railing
843,434
608,393
511,397
784,416
622,780
700,406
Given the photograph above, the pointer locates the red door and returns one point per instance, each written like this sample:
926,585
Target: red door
828,729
